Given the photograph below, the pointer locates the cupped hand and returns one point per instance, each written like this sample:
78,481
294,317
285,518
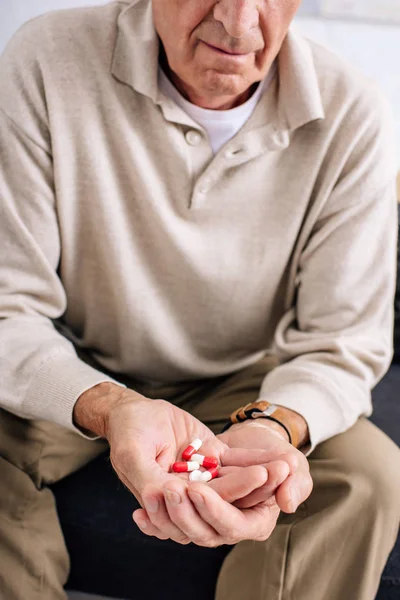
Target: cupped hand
244,503
206,513
146,437
267,445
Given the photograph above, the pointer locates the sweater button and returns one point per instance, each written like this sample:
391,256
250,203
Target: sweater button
193,138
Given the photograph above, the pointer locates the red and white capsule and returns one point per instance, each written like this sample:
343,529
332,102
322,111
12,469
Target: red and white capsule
196,475
205,476
210,474
191,449
208,462
185,467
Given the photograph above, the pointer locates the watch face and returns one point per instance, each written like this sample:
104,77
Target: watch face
256,412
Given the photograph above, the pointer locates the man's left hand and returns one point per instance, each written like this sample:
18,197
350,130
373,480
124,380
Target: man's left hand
268,445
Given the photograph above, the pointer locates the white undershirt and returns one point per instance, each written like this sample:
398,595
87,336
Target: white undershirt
221,125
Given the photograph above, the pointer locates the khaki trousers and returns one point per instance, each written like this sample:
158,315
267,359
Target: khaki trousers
333,548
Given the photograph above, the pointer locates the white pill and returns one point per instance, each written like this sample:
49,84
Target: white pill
196,476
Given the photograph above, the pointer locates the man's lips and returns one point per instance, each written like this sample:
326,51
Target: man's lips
226,51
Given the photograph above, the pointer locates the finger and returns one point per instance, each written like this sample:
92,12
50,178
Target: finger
232,524
243,457
145,525
293,491
154,504
184,515
237,482
143,522
278,471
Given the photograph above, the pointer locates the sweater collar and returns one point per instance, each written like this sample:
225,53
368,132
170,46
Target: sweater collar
135,59
135,63
299,96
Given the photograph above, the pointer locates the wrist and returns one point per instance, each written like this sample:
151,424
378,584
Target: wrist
273,427
92,409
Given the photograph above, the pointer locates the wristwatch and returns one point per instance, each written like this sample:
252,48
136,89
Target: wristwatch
266,410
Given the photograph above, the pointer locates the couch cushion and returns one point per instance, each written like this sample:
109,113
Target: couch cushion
396,357
386,403
386,416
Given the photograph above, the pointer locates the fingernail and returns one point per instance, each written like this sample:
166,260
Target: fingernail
152,505
172,497
196,497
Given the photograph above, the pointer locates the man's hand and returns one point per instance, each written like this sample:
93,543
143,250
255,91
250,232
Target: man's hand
207,519
268,445
146,437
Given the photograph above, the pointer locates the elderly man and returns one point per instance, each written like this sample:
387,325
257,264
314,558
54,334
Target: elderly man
198,214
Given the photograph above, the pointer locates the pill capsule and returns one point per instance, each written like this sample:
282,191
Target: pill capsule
191,449
196,476
208,475
208,462
184,467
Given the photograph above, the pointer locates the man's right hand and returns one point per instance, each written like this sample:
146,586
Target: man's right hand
145,437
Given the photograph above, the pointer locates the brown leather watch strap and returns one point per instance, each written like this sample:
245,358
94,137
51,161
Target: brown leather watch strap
266,410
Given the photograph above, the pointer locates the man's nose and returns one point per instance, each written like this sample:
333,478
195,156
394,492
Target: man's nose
237,16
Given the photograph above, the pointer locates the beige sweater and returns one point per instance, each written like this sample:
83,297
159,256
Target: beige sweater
169,264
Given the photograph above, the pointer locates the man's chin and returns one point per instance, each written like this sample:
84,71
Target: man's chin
222,86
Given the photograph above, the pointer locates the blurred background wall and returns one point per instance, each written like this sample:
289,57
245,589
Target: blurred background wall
366,32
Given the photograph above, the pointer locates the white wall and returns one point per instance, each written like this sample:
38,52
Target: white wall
13,13
387,11
373,47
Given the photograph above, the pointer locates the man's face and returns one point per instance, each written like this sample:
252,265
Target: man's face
217,49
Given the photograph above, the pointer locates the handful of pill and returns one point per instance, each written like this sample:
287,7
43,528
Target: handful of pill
194,461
